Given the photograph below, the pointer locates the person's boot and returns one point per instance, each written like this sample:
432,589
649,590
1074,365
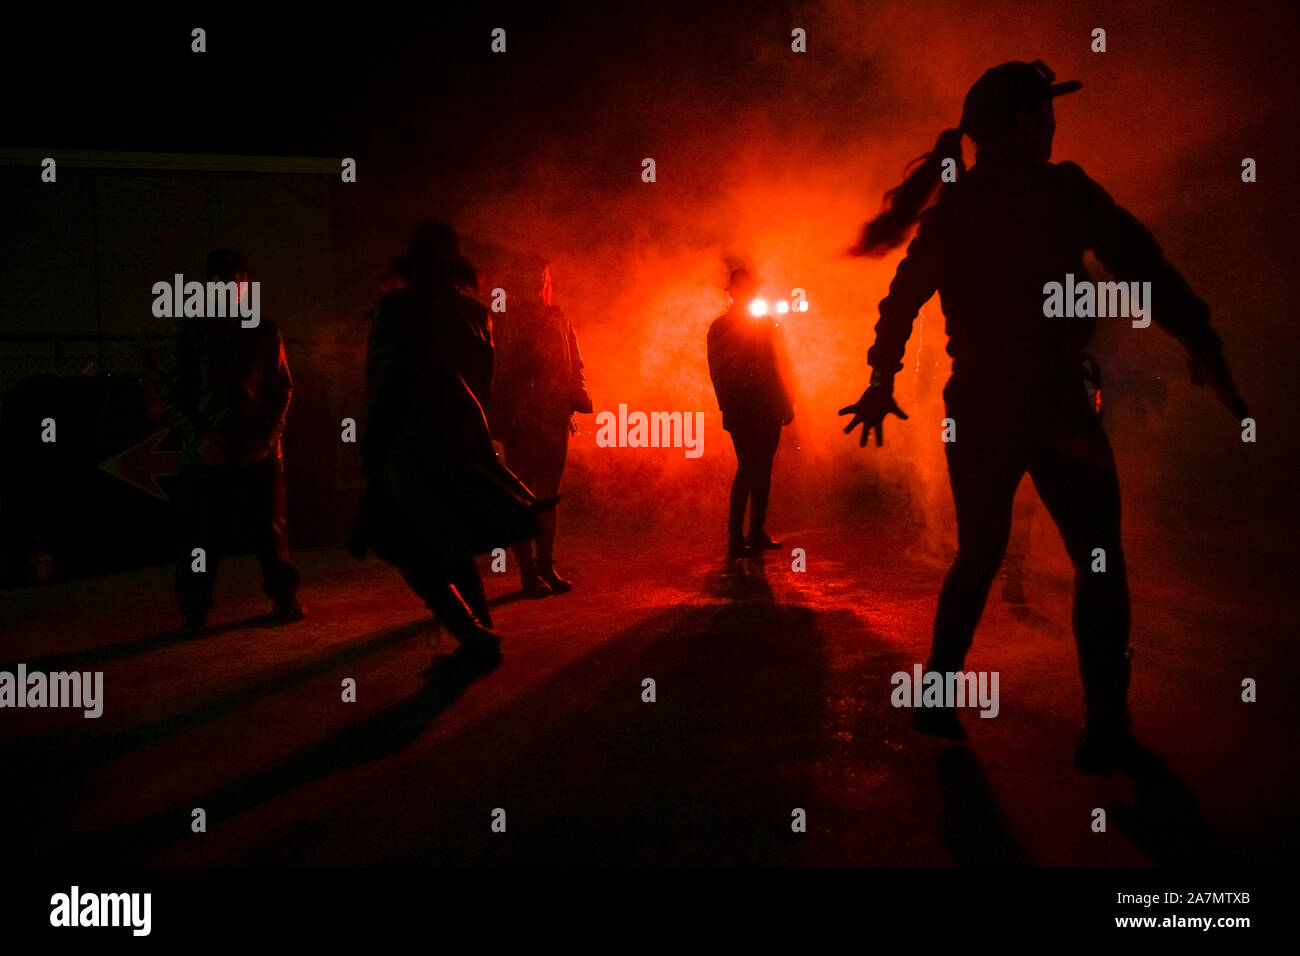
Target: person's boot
1105,746
557,584
1106,743
191,625
476,641
738,547
761,542
288,610
530,582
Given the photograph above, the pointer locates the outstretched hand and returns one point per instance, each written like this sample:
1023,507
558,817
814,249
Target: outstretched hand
869,411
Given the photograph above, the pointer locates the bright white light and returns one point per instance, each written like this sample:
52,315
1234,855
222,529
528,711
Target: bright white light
783,307
803,306
758,307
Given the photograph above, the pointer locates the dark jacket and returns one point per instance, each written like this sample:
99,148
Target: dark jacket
434,483
989,245
229,380
539,380
750,370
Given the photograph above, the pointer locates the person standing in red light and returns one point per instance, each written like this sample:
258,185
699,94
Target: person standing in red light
539,386
993,241
750,372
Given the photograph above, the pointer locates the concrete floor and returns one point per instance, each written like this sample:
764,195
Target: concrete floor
773,693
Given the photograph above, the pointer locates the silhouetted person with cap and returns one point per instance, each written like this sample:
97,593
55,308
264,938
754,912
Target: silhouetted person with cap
538,387
750,372
436,495
228,389
991,242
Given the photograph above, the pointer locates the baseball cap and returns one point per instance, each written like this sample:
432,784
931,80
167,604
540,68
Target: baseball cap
993,101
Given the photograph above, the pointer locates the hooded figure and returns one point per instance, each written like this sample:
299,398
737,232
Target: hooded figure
991,246
436,495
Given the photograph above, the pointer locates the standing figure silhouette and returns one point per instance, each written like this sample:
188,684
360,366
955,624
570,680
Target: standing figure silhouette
991,241
751,376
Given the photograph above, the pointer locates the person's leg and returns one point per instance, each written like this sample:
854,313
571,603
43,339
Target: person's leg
464,576
195,503
268,510
766,440
550,473
740,487
1075,475
1013,567
521,458
431,581
984,470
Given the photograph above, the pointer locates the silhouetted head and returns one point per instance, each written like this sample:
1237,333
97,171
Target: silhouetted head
227,265
535,278
741,285
433,258
1008,113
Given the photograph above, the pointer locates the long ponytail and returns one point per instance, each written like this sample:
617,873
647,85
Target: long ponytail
904,203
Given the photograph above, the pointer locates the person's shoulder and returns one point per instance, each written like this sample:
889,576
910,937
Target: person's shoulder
390,304
1070,175
471,306
268,327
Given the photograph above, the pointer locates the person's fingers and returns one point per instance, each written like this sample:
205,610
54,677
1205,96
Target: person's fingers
847,409
866,433
880,433
851,425
899,412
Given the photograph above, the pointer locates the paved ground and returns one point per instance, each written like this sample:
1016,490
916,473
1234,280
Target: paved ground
773,694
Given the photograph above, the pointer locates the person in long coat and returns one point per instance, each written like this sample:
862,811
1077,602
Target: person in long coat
436,494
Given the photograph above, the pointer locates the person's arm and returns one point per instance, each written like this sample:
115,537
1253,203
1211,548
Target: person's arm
581,396
720,366
1126,248
181,381
915,281
180,387
279,386
383,389
784,375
